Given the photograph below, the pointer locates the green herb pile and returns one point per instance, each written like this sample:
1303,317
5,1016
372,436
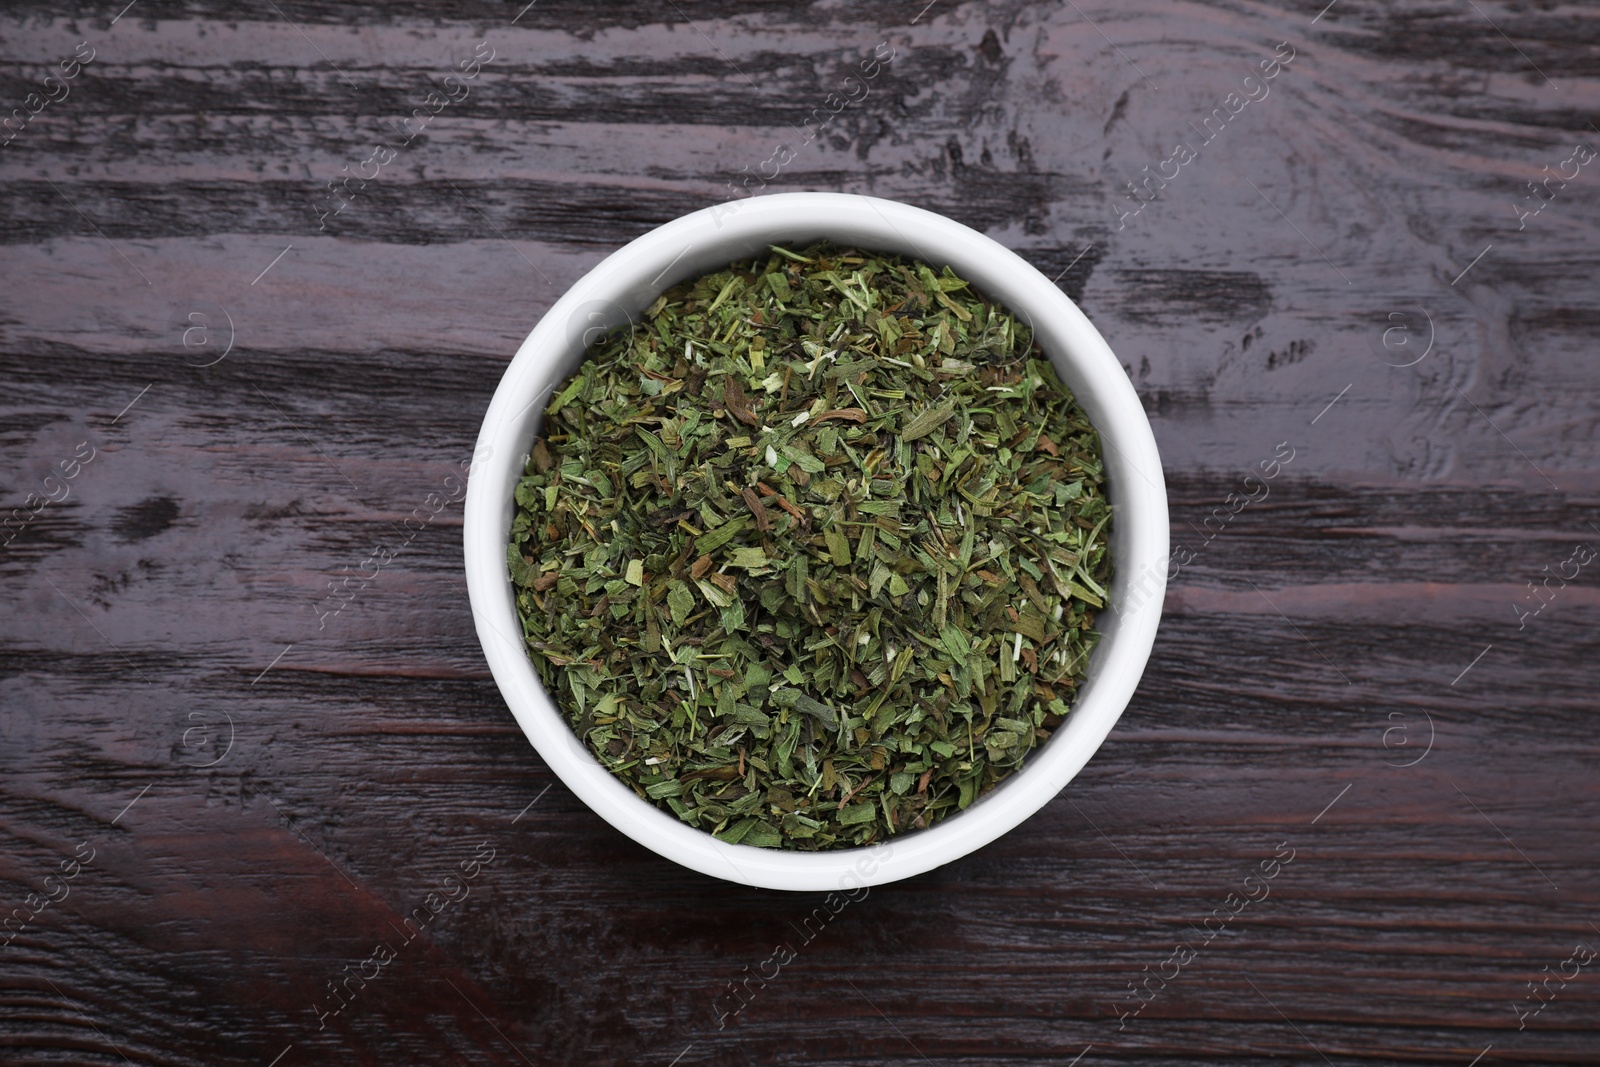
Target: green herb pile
812,556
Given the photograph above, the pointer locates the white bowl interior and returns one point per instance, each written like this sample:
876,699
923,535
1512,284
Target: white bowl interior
615,293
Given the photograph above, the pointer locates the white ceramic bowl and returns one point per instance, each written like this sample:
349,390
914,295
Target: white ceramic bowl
615,293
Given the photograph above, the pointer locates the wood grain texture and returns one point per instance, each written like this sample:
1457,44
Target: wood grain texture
269,791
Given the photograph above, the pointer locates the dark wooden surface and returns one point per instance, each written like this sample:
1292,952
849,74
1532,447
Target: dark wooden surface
265,799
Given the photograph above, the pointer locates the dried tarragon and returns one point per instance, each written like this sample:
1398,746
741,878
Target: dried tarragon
812,556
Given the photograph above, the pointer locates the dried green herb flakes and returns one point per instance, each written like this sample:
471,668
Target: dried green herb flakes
813,556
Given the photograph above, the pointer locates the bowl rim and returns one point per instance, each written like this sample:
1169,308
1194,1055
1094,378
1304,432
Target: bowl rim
615,291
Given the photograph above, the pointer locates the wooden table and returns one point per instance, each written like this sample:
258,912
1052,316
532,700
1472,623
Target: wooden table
228,775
